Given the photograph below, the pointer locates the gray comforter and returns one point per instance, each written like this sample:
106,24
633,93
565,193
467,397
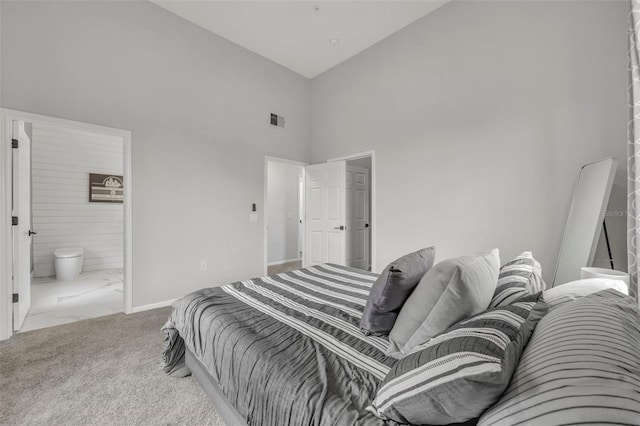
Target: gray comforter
285,349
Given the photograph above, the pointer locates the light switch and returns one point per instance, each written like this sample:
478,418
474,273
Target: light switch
253,217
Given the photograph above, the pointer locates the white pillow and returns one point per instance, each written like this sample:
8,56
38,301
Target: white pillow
452,290
563,293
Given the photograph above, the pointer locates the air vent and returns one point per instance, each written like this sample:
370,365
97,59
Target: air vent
276,120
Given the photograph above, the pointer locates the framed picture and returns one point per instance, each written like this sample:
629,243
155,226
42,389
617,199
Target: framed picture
105,188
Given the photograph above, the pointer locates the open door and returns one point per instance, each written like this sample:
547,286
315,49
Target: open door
21,209
325,195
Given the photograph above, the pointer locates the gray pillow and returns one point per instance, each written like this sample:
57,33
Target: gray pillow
449,292
580,367
392,288
460,373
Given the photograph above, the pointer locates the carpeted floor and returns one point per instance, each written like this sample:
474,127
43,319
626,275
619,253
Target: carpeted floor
101,371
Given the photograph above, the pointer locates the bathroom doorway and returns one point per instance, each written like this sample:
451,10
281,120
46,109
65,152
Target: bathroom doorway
77,231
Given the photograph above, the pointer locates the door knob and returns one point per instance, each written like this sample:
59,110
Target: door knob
366,225
339,227
31,232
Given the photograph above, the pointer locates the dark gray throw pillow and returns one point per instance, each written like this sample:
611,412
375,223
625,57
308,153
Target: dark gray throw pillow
392,288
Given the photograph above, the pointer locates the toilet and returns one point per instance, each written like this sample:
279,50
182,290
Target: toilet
68,262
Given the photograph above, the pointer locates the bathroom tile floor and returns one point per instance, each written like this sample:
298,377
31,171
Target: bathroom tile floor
92,294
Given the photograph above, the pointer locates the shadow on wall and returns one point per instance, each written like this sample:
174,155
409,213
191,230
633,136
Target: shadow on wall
616,221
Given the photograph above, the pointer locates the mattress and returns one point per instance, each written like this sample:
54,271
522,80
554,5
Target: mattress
285,349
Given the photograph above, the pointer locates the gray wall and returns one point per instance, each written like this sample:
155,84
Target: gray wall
481,115
61,160
283,208
616,220
198,108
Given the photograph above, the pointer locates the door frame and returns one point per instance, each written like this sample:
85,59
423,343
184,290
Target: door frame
265,215
23,267
7,116
373,218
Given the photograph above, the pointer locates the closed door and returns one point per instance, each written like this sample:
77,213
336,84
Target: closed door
21,209
358,229
325,198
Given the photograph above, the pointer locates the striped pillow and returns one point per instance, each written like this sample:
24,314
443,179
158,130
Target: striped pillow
458,374
521,276
582,366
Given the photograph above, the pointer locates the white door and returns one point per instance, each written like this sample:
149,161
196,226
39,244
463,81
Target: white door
21,208
325,214
358,214
301,217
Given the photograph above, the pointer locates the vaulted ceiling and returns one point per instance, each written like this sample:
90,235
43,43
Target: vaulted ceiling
308,37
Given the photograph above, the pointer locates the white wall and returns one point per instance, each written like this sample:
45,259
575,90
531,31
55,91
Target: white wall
198,108
481,115
62,214
283,211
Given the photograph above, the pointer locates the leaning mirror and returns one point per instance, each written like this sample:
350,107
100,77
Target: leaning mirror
584,223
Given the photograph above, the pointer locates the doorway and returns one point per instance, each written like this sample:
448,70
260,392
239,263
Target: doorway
336,213
62,212
340,205
284,213
358,217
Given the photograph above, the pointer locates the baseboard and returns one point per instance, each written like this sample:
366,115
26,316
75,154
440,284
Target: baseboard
280,262
152,306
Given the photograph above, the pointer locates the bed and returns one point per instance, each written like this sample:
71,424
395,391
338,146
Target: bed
288,350
284,349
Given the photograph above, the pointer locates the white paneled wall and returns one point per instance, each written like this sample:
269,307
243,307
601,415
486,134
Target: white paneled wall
62,159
